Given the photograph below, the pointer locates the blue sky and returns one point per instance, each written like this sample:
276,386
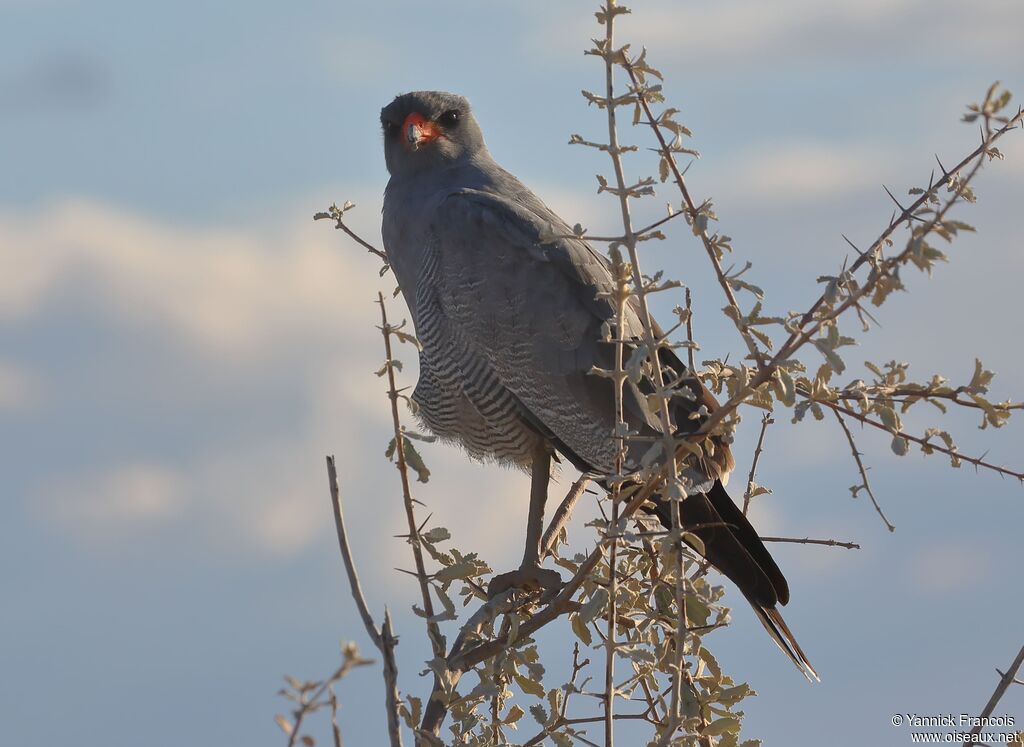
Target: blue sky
180,345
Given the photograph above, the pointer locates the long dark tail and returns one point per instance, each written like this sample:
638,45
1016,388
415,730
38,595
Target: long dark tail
733,547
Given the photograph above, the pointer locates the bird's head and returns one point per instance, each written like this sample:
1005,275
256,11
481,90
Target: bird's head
428,129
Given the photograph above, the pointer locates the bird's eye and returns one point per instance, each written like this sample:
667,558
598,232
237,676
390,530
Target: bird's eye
390,128
450,118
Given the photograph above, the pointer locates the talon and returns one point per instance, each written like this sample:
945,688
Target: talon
527,578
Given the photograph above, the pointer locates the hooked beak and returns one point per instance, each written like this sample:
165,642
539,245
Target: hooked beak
417,130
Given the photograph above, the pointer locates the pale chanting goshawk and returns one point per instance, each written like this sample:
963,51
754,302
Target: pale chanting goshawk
510,323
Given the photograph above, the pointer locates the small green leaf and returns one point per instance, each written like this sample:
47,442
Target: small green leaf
437,534
539,714
900,447
581,630
414,460
721,726
529,686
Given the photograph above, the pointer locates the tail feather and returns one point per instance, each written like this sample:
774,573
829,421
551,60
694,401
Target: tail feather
784,638
732,546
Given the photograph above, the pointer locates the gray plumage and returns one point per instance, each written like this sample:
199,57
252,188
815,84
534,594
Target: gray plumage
510,310
510,323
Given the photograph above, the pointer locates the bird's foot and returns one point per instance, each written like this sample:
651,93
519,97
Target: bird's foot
527,578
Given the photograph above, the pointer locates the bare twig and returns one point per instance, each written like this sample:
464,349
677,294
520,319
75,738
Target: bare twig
346,556
689,332
310,696
337,215
766,420
1006,679
562,514
335,730
384,638
862,469
809,541
577,667
388,642
639,233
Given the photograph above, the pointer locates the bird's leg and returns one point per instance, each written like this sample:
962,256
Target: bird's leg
539,479
530,575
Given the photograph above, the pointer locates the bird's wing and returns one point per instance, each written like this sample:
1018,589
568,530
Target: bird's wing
534,306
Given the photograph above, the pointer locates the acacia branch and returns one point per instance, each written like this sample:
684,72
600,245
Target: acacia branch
561,720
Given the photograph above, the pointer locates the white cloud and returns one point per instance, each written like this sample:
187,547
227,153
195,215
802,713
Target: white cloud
236,291
804,171
718,33
96,506
251,296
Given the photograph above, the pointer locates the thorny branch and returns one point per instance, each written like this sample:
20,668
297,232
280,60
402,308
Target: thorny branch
433,631
809,541
640,290
881,268
1005,680
623,297
696,215
978,462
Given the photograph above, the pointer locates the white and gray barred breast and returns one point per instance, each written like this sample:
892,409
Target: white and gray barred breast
459,397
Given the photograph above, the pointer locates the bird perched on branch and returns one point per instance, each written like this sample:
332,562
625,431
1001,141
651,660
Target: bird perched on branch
509,308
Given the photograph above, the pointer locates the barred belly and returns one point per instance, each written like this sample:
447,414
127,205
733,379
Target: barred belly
459,397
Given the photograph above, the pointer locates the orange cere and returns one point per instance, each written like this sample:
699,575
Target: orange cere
427,130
